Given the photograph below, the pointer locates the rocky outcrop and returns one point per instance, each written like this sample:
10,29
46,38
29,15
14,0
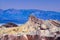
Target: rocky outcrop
44,30
9,25
26,37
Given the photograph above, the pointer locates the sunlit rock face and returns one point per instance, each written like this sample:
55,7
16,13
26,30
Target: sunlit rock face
34,21
34,29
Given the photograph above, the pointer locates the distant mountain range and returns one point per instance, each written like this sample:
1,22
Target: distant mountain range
22,15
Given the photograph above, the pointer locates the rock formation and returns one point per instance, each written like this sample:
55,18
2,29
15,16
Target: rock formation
10,25
36,29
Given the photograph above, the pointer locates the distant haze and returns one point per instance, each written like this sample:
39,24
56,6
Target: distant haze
50,5
22,16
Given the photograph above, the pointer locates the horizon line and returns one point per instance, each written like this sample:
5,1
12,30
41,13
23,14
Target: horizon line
29,9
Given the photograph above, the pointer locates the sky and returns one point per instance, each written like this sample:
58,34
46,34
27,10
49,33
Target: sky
50,5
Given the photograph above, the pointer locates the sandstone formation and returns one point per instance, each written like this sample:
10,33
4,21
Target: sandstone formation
33,29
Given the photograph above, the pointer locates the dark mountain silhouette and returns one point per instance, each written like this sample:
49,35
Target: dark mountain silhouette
9,25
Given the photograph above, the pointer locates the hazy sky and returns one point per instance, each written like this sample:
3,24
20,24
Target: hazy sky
52,5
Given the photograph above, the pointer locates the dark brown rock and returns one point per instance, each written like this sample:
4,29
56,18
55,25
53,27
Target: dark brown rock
37,37
55,23
4,37
30,37
10,25
47,38
58,38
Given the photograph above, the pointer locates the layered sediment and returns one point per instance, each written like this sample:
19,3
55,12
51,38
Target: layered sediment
33,29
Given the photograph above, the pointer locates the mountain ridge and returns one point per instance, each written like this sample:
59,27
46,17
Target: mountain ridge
23,15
